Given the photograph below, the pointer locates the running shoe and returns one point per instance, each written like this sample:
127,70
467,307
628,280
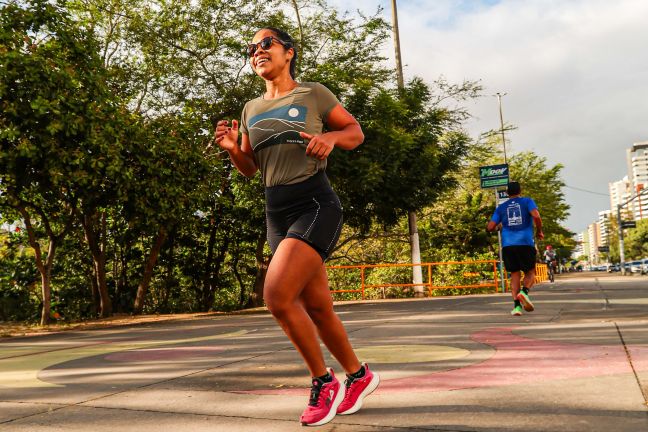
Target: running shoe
356,390
325,397
517,311
526,301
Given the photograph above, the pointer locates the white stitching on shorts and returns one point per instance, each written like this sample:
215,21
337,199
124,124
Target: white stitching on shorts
316,214
334,235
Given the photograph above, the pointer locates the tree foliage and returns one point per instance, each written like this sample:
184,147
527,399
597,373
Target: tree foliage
636,241
55,107
107,112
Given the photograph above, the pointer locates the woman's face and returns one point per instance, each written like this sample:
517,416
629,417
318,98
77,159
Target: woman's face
271,62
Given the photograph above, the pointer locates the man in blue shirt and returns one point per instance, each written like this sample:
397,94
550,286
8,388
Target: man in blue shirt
515,218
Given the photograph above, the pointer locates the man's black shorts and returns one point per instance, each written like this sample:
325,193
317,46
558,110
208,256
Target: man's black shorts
518,258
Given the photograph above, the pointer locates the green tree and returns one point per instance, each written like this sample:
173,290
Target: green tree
636,241
457,222
411,147
544,184
54,102
177,59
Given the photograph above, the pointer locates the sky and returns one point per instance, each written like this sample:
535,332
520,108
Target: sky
574,74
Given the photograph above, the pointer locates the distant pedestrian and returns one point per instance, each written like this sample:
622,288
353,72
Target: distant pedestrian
287,133
515,217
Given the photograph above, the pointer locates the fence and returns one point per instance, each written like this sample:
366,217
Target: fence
394,280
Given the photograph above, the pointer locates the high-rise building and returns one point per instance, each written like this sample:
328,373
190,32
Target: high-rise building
579,249
594,235
620,192
637,160
604,227
586,244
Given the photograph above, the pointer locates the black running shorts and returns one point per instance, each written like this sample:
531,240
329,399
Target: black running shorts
518,258
309,211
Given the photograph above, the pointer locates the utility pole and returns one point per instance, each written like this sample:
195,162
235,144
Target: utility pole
499,99
499,233
621,245
399,63
417,274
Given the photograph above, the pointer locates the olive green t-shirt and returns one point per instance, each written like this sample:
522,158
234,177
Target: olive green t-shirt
273,127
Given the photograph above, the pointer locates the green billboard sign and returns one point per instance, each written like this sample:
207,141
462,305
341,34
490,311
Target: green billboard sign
494,176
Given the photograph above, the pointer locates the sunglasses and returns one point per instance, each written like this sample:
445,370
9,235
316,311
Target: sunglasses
265,44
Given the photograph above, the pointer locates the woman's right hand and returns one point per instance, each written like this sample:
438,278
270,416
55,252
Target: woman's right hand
225,136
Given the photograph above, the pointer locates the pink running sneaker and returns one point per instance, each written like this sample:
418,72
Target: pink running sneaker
324,401
356,390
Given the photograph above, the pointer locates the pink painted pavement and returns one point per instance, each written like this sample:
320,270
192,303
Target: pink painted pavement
517,360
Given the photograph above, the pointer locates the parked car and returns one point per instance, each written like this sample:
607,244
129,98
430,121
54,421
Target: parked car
614,268
644,266
635,267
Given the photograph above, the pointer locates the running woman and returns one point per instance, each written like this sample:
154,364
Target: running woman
282,137
516,217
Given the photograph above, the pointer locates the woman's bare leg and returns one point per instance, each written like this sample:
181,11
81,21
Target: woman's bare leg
293,266
316,298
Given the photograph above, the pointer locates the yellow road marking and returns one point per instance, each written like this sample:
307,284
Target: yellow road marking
409,353
22,372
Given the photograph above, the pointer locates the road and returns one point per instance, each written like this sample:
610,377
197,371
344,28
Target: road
578,363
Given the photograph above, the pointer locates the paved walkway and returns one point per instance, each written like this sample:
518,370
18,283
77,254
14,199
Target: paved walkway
578,363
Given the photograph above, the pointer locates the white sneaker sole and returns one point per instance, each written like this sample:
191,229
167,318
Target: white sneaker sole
366,392
333,411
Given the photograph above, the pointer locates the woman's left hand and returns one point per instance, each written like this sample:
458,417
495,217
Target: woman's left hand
320,146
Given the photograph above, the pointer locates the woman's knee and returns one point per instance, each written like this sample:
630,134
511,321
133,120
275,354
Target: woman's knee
320,314
277,307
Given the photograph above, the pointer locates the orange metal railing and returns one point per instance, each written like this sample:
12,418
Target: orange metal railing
491,281
542,274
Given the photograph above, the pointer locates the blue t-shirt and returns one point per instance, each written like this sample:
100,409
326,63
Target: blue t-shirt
517,223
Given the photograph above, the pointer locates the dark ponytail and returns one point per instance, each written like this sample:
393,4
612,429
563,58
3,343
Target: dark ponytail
288,43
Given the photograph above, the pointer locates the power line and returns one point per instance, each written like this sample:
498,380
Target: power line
588,191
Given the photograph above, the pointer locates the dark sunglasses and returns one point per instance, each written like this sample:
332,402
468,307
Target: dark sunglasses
265,44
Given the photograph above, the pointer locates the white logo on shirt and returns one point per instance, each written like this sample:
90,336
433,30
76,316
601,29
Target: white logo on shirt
514,214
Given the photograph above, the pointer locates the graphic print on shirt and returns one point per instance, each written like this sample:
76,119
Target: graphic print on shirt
514,214
278,126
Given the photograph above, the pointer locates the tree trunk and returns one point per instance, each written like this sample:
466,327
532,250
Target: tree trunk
237,274
105,303
46,288
142,289
121,275
95,291
44,268
208,263
214,276
169,279
256,299
93,238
